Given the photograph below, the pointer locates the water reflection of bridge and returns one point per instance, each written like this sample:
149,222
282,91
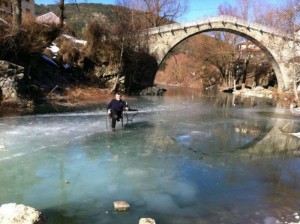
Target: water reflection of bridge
279,139
275,137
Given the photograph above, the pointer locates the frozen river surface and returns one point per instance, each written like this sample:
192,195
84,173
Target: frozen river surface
186,158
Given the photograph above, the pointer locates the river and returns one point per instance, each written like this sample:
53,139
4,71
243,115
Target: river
187,157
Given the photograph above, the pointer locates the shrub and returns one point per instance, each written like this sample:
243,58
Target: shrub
69,53
32,37
101,45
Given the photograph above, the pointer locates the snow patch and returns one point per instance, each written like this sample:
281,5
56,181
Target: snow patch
53,48
83,42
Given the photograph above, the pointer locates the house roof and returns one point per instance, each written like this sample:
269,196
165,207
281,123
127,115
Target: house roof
48,18
246,43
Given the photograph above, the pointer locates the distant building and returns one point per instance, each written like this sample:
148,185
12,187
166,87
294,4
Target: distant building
247,47
49,18
27,6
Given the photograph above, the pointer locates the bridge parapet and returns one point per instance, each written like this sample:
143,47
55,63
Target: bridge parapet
210,20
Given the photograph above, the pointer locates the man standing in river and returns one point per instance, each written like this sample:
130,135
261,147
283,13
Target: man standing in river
115,110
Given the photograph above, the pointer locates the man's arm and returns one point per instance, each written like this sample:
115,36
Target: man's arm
108,107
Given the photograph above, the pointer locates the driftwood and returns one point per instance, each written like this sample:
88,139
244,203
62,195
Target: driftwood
296,134
115,87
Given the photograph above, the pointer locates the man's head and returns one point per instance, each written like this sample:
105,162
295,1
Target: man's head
118,96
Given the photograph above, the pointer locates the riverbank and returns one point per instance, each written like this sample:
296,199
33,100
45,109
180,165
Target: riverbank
71,98
285,99
80,96
84,96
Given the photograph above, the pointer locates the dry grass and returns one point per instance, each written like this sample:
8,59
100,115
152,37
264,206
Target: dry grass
101,45
180,70
80,96
69,53
32,37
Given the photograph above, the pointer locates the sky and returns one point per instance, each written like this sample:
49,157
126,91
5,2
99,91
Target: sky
197,9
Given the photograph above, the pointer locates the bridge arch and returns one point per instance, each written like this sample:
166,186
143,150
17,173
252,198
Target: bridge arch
273,43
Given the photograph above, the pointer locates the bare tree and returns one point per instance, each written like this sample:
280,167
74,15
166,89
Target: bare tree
62,11
221,55
250,10
127,40
287,19
158,12
292,19
238,65
17,13
267,15
242,10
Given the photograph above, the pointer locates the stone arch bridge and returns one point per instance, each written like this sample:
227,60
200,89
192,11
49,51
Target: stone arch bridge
279,48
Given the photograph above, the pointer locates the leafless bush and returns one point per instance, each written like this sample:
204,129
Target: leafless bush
69,53
101,44
32,37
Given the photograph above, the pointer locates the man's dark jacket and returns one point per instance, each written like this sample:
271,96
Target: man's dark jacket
116,105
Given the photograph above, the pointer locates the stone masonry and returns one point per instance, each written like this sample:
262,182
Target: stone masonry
279,47
10,74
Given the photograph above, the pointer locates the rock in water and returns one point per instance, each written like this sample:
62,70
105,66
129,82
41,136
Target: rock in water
13,213
121,206
160,92
152,91
147,221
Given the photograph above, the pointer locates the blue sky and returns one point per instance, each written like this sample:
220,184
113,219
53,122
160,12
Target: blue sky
201,8
197,8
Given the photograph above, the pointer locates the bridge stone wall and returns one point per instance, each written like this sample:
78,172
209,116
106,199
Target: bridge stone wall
278,47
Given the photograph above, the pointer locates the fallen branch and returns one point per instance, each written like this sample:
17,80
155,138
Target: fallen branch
52,90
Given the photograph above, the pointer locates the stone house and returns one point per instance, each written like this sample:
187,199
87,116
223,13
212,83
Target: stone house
27,6
248,47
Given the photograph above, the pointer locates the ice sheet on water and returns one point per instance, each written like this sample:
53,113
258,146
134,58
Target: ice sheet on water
161,202
135,172
29,133
184,140
11,157
186,191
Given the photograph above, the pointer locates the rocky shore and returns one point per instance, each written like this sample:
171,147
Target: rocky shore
13,213
286,99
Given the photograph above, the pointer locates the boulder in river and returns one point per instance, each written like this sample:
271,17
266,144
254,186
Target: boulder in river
153,91
121,206
13,213
147,221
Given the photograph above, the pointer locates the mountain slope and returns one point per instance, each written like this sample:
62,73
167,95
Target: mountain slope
78,15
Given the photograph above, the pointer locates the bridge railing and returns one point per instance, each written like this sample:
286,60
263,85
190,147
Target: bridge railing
210,20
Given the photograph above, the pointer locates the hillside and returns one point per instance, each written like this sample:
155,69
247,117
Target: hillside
77,15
